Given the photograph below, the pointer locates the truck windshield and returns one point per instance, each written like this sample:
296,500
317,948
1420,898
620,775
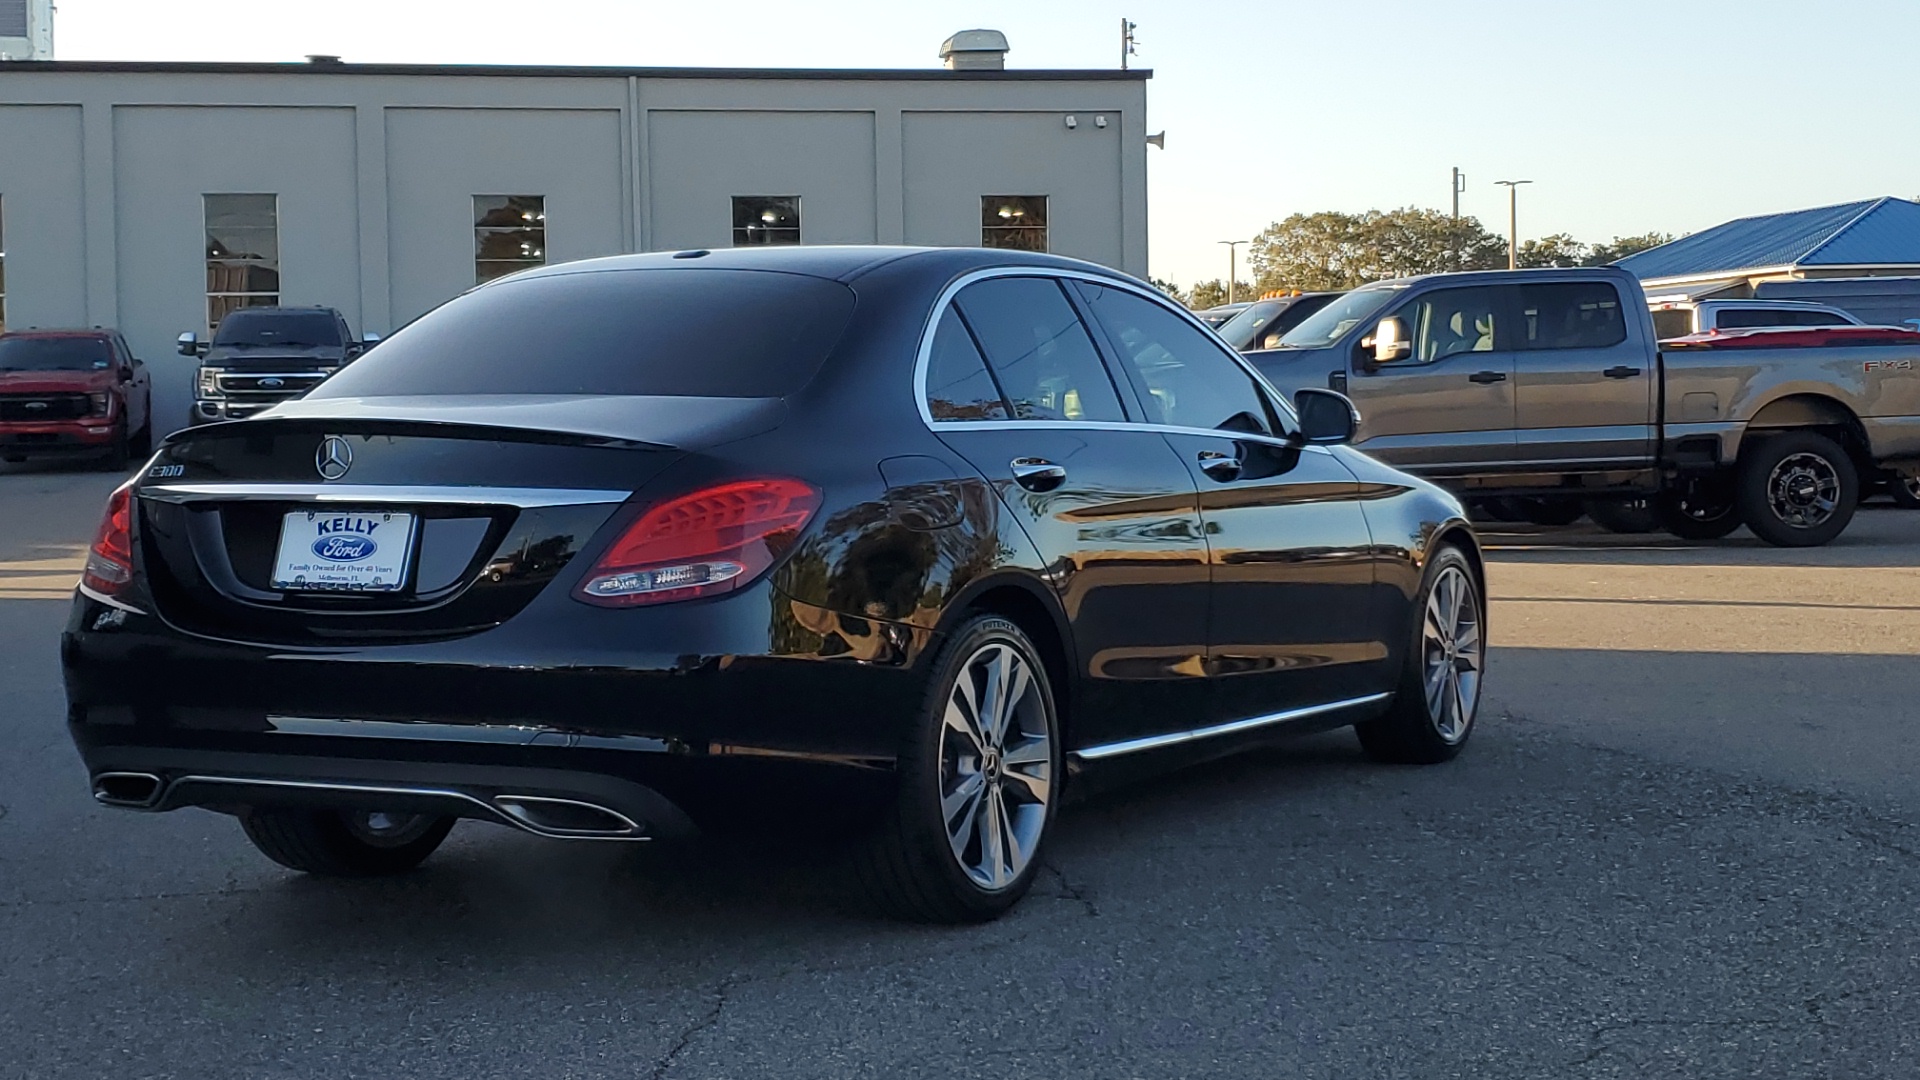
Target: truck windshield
1240,330
258,328
665,333
1330,323
55,354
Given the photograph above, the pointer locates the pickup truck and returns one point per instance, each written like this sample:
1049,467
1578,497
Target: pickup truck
72,392
1549,386
262,356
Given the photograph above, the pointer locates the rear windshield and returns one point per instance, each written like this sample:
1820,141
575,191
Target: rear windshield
55,354
284,329
667,332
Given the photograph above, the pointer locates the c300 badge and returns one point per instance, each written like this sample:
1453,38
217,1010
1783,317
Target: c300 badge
334,457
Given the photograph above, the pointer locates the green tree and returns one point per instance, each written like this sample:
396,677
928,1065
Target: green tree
1560,249
1623,246
1169,288
1209,294
1335,250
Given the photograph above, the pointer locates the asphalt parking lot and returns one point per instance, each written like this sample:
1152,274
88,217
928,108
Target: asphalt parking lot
1682,844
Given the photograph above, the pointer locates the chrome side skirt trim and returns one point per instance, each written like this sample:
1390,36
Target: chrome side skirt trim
1174,738
381,494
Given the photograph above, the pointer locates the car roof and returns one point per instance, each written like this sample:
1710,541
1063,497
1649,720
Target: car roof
35,332
837,262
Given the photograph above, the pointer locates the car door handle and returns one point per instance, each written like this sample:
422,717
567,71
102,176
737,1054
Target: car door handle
1485,377
1221,467
1621,372
1038,474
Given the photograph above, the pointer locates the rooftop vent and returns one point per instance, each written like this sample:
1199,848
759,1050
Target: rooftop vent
975,50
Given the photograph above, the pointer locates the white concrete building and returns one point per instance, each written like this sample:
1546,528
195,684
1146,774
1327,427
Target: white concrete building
154,197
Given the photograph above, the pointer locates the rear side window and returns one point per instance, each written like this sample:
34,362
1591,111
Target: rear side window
1570,315
1743,318
667,333
1040,352
1186,379
958,386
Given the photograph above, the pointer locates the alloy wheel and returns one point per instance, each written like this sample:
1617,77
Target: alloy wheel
996,766
1803,490
1454,654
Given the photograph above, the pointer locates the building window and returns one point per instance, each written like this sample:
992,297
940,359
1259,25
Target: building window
1014,222
243,253
766,219
509,235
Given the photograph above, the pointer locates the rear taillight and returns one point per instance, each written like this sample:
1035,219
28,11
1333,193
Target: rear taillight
711,541
110,559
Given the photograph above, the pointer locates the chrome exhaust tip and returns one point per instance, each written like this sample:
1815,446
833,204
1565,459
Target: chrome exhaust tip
568,818
132,790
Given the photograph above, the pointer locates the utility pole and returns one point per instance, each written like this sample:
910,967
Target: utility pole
1513,220
1459,185
1233,266
1127,41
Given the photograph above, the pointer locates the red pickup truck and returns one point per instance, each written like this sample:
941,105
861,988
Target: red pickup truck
66,392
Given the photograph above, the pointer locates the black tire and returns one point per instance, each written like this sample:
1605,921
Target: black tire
336,843
1700,508
1624,515
1797,489
121,452
909,865
142,445
1551,512
1905,492
1410,732
1502,508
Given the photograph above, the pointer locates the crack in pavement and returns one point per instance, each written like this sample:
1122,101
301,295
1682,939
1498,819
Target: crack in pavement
1601,1048
1070,891
721,991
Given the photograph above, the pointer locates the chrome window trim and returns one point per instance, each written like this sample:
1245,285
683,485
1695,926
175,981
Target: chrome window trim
381,494
1174,738
945,300
1122,425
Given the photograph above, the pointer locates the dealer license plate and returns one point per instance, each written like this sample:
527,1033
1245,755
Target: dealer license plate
343,551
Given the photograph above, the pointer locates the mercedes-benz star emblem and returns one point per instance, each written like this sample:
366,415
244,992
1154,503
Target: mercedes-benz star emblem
334,458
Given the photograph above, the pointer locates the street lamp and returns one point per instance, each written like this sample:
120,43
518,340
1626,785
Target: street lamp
1233,266
1513,218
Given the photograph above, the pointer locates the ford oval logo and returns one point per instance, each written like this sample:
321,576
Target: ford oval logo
344,548
272,383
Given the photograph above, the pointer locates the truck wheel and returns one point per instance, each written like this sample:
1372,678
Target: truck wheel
1702,508
1797,489
117,456
1553,512
1905,492
1624,515
344,843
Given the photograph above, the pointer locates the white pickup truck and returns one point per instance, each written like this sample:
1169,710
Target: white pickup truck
1683,318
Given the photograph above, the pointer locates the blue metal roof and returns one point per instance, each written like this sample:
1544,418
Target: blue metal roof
1882,231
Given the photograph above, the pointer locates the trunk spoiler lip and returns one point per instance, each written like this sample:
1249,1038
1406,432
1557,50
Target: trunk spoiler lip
631,422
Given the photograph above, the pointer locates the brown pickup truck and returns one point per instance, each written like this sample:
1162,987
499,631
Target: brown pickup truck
1548,387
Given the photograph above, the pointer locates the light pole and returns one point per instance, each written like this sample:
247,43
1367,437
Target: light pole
1233,265
1513,219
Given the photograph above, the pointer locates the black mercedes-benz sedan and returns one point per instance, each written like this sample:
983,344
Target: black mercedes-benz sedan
896,542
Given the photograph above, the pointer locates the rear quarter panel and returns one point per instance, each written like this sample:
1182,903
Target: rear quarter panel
1720,391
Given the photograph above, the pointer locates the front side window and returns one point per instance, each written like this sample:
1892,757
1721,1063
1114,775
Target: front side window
1570,315
958,384
1448,322
1185,378
243,253
509,235
1014,222
766,219
1039,350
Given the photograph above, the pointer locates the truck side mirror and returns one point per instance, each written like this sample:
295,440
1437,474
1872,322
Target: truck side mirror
1390,341
187,344
1327,417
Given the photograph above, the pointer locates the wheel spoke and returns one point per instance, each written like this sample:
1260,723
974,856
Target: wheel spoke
1460,712
958,720
993,699
1030,752
993,838
1436,687
1035,784
963,795
1016,855
1467,642
1452,580
963,710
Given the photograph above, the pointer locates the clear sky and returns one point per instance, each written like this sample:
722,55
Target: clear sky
1628,115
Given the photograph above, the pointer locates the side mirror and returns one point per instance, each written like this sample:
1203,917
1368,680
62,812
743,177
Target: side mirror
370,340
187,344
1390,341
1327,417
125,374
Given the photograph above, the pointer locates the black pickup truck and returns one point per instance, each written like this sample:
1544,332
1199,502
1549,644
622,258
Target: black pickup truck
262,356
